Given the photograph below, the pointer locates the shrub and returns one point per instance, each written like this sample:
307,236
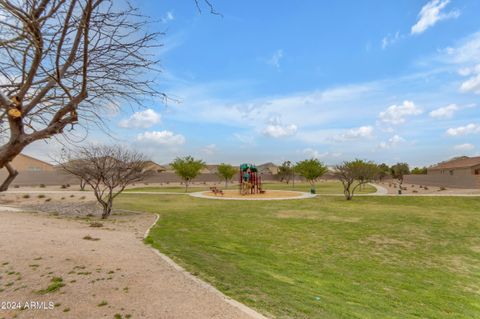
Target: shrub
41,196
63,186
48,199
88,237
42,185
442,188
56,283
96,224
16,186
26,196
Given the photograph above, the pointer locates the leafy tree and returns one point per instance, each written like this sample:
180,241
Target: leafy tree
285,172
383,171
354,174
226,172
399,170
419,171
187,168
311,170
106,169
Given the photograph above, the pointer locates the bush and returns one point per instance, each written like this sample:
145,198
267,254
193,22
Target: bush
48,199
443,188
96,224
41,196
63,186
26,196
42,185
16,186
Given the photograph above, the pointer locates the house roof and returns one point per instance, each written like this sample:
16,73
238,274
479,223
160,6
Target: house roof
459,162
21,161
152,166
268,168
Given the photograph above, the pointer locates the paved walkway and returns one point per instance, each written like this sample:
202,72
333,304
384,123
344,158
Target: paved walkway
301,195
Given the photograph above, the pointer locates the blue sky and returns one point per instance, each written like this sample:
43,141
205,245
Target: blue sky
280,80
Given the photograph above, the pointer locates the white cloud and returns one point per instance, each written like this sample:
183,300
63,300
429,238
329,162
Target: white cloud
464,147
246,139
355,133
466,71
396,114
275,59
311,153
392,142
467,55
431,13
165,138
471,85
444,112
210,149
143,119
168,17
390,39
464,130
277,130
467,52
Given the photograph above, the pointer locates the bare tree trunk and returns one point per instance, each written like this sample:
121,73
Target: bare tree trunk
12,173
186,186
226,183
82,184
348,195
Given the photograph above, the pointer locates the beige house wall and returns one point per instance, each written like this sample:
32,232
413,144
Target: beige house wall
460,180
60,177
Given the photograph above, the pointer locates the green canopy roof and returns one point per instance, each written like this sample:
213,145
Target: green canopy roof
246,166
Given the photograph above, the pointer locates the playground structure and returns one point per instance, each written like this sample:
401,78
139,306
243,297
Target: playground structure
250,180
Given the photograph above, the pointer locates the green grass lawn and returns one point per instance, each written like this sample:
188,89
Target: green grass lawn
372,257
323,187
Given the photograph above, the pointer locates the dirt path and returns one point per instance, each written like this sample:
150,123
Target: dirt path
111,273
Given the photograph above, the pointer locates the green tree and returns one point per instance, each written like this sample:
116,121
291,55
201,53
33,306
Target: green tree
354,174
187,168
285,172
419,171
383,171
311,170
399,170
226,172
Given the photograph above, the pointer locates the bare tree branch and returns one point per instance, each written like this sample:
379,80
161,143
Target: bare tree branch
67,61
106,169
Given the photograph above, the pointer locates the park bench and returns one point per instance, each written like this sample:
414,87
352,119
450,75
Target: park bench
216,191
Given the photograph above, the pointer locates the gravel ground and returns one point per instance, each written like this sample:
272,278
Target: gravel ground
94,272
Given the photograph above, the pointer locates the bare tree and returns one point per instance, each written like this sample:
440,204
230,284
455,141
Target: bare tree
65,61
354,174
106,169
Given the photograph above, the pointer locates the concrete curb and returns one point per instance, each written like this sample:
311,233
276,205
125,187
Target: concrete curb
10,209
247,310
